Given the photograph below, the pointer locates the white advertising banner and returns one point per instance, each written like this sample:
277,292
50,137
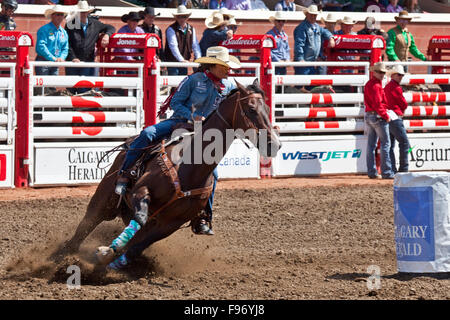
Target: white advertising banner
429,152
6,167
315,155
239,162
66,163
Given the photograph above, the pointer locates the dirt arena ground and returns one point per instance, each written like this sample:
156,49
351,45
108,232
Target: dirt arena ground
297,238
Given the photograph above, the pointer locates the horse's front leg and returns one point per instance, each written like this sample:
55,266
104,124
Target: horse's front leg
141,201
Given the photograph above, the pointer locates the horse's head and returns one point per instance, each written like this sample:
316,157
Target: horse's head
251,114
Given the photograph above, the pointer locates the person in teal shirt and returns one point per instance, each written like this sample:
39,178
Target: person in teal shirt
52,40
401,41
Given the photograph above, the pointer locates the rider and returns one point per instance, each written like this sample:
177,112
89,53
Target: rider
6,20
204,90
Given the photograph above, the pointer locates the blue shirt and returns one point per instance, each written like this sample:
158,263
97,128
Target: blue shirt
282,51
173,44
52,42
211,38
308,41
281,6
197,91
126,29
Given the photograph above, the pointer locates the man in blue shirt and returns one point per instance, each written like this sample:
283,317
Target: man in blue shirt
52,41
282,51
308,37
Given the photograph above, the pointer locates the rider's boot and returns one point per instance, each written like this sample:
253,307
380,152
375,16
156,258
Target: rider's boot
202,227
122,183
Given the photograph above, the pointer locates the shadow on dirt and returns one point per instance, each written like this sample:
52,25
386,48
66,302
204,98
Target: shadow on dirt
400,276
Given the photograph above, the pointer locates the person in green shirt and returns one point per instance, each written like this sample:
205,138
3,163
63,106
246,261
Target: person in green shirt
401,41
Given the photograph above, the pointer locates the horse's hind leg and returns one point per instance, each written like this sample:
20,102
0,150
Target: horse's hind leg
102,207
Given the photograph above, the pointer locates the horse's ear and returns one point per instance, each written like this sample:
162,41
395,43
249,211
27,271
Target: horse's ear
240,86
256,83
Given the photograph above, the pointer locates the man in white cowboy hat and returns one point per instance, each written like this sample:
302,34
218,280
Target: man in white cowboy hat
401,41
282,52
397,105
330,22
377,123
52,43
197,96
181,41
84,32
308,38
346,24
216,31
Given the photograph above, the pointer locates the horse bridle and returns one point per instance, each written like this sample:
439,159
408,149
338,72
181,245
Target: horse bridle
248,123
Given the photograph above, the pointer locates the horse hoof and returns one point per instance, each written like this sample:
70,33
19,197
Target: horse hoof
104,255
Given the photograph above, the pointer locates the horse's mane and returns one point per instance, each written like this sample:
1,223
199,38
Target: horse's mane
252,87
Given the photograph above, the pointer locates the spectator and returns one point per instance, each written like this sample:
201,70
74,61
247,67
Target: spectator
377,123
238,4
181,41
83,32
401,40
393,6
308,37
226,13
215,4
285,5
215,33
347,26
282,52
412,6
233,25
397,105
374,6
132,20
335,5
371,29
7,22
149,26
330,23
52,42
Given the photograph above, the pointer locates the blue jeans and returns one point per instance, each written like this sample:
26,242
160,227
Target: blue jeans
87,72
378,128
208,208
45,71
177,71
146,137
398,132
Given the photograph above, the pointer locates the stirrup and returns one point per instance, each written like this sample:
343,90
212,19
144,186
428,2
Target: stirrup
121,185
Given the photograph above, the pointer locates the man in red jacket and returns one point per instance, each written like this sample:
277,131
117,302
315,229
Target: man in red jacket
397,103
377,123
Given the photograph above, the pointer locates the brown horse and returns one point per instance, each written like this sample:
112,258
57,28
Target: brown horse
156,192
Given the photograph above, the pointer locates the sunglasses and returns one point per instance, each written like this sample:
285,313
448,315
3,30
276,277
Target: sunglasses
59,14
380,72
280,21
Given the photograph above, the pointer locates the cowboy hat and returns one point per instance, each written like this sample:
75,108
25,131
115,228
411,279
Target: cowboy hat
83,6
397,69
232,22
215,20
132,15
219,55
379,66
226,13
279,15
55,9
330,18
403,15
150,11
347,20
312,9
182,11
